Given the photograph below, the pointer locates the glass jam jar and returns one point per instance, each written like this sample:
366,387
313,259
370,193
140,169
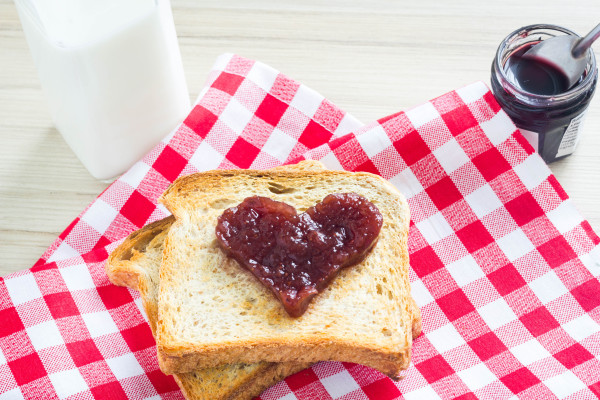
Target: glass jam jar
535,96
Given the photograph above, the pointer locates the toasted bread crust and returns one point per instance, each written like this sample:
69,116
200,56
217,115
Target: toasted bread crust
390,363
417,322
123,265
247,386
201,192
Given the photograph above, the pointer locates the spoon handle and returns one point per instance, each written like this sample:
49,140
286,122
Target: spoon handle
584,43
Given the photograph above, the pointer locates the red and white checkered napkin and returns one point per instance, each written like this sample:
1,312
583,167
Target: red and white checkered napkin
503,266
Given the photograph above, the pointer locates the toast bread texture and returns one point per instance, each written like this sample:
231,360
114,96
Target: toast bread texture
211,311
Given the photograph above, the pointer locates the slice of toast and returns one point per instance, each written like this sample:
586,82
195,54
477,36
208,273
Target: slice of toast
212,312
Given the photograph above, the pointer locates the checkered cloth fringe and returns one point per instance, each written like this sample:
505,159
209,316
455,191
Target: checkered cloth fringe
504,268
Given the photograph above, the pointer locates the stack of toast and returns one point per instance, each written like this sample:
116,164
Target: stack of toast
220,332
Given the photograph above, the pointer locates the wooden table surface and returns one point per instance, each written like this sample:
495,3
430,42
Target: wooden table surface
371,58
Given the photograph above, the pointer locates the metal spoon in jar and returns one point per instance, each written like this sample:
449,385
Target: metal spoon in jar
567,54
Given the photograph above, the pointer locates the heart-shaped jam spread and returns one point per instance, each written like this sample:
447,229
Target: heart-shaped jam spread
297,255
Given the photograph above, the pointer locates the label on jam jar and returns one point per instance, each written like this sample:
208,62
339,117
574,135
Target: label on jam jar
571,136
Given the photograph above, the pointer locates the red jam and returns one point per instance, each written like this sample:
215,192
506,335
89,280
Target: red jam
297,255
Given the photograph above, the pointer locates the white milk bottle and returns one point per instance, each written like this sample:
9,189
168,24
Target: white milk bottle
111,72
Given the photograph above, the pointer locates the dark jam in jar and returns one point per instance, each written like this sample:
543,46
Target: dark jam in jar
297,255
535,76
536,96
